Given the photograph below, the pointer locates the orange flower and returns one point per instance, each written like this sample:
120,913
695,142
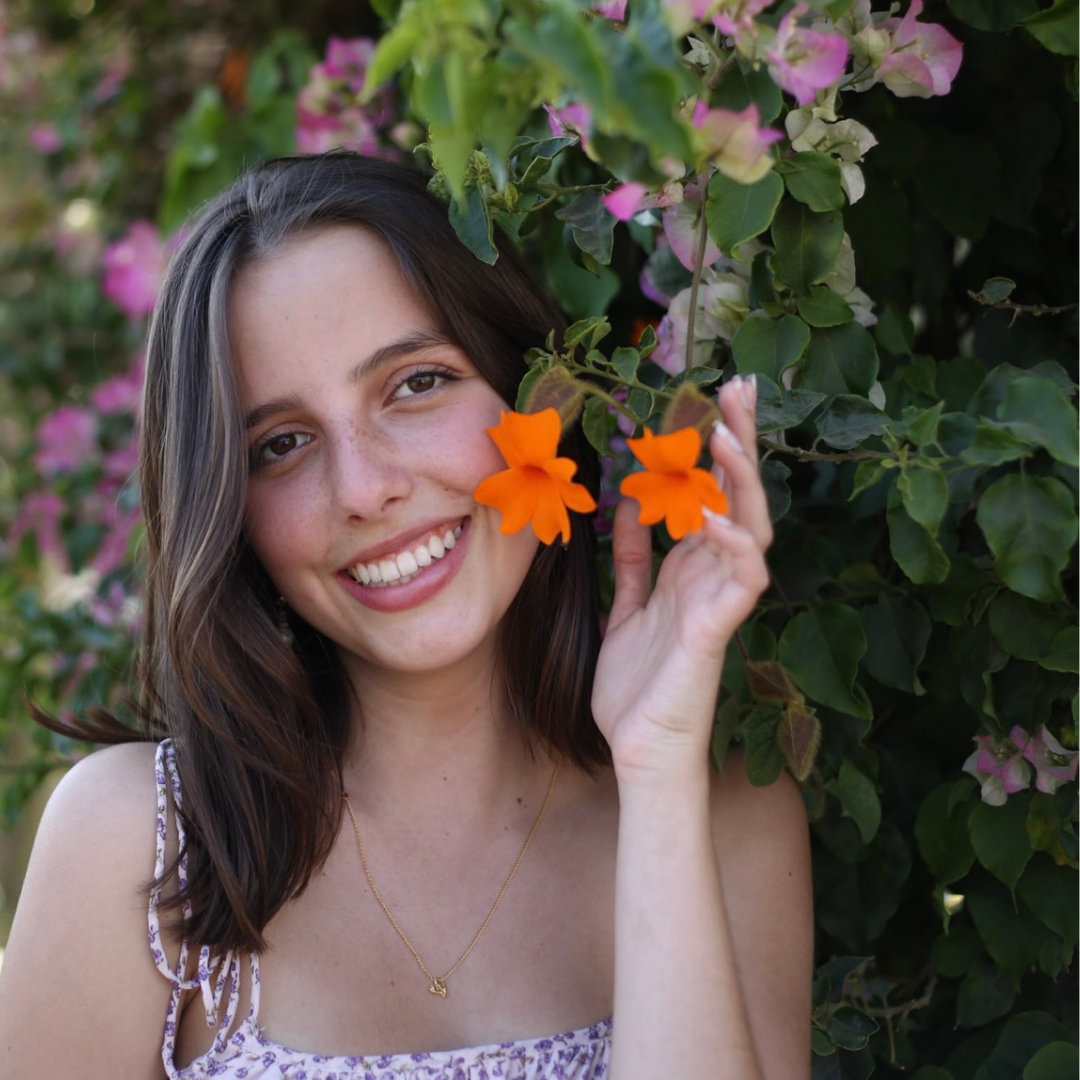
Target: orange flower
538,487
672,486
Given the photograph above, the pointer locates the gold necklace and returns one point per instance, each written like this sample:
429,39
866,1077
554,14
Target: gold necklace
437,983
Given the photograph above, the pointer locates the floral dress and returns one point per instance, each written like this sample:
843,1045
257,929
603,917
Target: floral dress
246,1054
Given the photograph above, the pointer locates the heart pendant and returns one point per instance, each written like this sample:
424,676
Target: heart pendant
438,986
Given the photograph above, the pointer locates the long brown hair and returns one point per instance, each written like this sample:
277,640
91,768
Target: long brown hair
260,726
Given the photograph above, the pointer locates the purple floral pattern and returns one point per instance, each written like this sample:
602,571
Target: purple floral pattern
246,1054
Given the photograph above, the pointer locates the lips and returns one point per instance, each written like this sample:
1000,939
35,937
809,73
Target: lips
414,586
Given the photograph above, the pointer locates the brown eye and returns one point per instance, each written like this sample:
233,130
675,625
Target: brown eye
280,445
418,384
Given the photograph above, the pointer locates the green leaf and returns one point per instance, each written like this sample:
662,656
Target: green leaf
472,223
1011,934
1056,29
1023,627
867,474
919,555
1030,526
821,648
1050,892
955,951
640,403
922,427
1056,1060
994,444
738,212
779,410
1036,411
774,477
625,362
849,420
999,15
743,84
823,307
897,633
999,837
850,1029
925,492
840,360
592,224
942,835
985,994
859,799
1064,650
996,288
1024,1035
595,424
769,346
807,245
814,179
764,759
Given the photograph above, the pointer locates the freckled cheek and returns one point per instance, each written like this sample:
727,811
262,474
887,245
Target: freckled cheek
278,526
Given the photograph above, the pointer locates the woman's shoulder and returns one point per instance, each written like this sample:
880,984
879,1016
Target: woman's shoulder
80,931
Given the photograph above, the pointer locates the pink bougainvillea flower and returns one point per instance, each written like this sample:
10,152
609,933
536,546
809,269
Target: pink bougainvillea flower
66,438
40,513
672,488
347,59
1054,765
923,58
122,393
735,142
573,120
624,201
537,488
682,228
611,9
44,138
999,766
803,61
134,266
736,18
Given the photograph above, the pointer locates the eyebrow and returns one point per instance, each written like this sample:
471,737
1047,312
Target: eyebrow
406,346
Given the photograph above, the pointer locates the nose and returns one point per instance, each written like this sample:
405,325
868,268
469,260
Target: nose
368,473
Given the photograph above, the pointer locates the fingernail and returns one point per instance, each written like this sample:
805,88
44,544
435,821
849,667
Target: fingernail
749,393
712,515
728,435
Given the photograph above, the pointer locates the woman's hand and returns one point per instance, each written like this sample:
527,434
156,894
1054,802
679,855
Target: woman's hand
659,668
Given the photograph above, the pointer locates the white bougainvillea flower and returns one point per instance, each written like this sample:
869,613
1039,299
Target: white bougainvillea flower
1054,765
735,142
845,140
723,303
682,227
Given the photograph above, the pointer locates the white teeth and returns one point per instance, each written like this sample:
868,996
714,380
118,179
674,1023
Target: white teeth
406,565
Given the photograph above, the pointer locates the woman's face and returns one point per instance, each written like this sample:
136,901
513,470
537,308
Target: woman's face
366,435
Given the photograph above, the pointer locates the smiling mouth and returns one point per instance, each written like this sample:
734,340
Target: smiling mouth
401,567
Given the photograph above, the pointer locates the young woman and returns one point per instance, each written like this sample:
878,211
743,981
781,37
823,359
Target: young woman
532,841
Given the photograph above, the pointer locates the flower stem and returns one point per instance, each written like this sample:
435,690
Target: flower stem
699,263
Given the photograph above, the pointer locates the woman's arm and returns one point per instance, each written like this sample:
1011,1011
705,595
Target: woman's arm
712,917
79,993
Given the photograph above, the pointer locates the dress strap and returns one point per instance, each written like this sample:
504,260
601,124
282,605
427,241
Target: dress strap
214,975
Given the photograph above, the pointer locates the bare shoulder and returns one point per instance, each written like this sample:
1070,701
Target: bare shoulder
83,909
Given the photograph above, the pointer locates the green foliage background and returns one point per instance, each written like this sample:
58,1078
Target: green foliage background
923,472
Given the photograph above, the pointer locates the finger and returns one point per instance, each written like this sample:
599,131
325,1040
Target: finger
739,548
749,506
738,404
631,550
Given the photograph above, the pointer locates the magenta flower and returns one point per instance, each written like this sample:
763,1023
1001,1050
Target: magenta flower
348,60
736,18
923,58
122,393
735,142
1054,765
1000,767
624,201
682,227
134,266
803,61
611,9
44,138
573,120
66,438
40,513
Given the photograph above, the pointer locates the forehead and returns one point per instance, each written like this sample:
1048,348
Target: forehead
330,294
